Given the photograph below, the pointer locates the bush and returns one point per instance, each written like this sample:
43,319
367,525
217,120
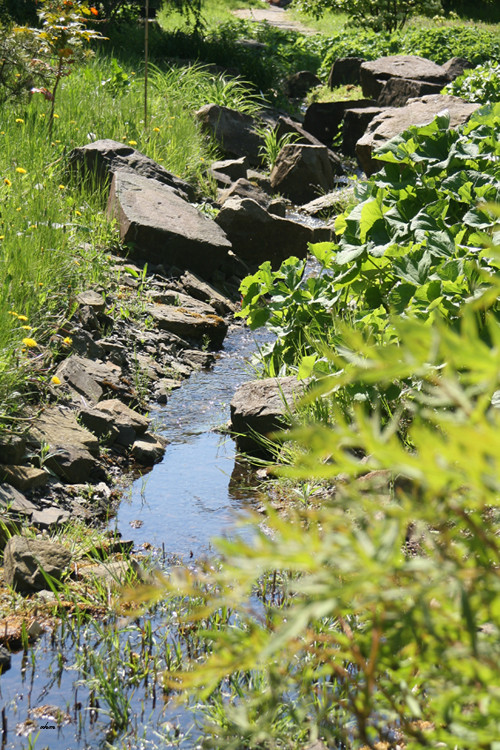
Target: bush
480,85
386,15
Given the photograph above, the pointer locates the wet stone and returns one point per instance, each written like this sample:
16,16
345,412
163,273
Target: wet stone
148,450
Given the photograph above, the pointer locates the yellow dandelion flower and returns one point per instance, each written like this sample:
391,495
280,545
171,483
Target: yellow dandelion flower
30,343
18,208
22,317
20,170
55,380
156,130
2,236
78,213
76,262
42,115
132,143
40,283
56,116
7,181
67,341
27,328
57,141
19,119
62,187
72,122
11,312
161,159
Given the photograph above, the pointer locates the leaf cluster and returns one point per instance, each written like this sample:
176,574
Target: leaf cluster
387,15
479,85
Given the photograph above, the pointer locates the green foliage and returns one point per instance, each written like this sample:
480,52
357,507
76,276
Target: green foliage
411,245
272,145
388,15
479,85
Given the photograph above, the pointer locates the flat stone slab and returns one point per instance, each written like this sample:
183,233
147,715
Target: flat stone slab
24,477
193,325
14,501
374,73
161,227
25,559
90,378
71,448
396,120
235,132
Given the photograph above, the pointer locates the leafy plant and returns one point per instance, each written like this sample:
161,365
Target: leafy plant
272,145
479,85
389,15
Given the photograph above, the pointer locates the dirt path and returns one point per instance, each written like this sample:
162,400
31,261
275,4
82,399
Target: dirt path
275,16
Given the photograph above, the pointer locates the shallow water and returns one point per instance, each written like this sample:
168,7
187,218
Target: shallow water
190,497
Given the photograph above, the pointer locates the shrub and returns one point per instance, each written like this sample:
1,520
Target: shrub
480,85
387,15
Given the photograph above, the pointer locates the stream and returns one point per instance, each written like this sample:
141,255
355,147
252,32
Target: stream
189,498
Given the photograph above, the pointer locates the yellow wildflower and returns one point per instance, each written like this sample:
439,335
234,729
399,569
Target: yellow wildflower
55,380
22,317
20,170
132,143
156,130
67,341
62,187
56,116
78,213
7,181
2,236
30,343
27,328
19,119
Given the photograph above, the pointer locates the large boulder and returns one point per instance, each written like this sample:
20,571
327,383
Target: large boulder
261,407
191,325
345,70
374,73
298,84
285,126
24,560
397,91
161,227
203,291
89,379
396,120
104,158
302,172
258,236
456,66
244,188
354,125
235,132
323,119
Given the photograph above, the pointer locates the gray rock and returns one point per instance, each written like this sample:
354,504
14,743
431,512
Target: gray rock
92,299
84,345
396,91
323,119
258,236
49,517
234,132
278,207
203,291
179,299
163,228
5,659
302,172
15,502
148,449
261,407
71,447
12,448
25,559
24,477
99,424
190,324
354,126
105,157
374,73
197,358
298,84
345,70
287,125
396,120
233,169
456,67
244,188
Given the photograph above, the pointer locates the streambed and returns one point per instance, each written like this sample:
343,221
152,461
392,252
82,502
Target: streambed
189,498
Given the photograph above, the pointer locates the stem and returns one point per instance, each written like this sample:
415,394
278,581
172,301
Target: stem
146,60
54,91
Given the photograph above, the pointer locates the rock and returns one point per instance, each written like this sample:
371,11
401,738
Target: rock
375,72
345,70
113,573
233,169
100,424
92,299
122,415
261,407
15,502
323,119
328,202
456,67
163,389
24,560
287,125
190,324
260,179
5,659
259,236
203,291
114,421
12,448
243,188
302,172
354,126
396,91
105,157
148,449
278,206
71,448
298,84
163,228
84,345
24,477
197,358
90,379
396,120
49,517
234,131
